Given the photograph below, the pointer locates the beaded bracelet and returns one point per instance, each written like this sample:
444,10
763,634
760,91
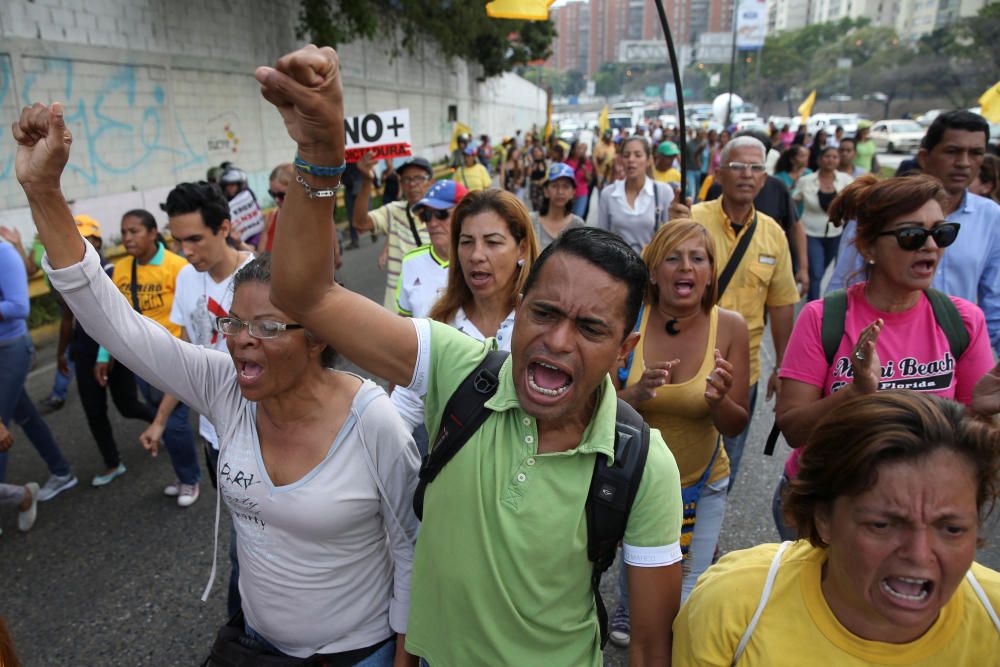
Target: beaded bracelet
315,170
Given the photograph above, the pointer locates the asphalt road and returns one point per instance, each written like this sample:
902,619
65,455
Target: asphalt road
113,576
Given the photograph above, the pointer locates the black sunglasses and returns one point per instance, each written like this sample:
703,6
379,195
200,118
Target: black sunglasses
427,213
276,195
914,238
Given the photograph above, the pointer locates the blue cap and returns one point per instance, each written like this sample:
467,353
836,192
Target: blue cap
469,150
560,170
444,194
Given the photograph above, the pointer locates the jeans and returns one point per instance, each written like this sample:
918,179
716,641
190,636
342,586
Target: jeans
580,206
784,530
734,445
707,526
94,399
822,253
177,436
60,383
15,361
383,657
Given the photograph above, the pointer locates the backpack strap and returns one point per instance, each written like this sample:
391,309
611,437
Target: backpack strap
765,595
950,321
981,594
834,312
464,413
612,491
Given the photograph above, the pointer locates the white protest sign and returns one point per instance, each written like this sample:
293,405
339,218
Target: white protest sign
246,216
385,133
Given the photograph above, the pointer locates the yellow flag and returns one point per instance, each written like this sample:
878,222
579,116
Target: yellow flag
459,129
990,103
602,121
526,10
806,108
548,122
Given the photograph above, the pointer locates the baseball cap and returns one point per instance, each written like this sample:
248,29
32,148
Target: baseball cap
469,150
416,161
560,170
87,226
443,195
668,148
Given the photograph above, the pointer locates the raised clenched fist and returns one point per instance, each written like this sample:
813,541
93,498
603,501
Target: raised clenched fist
43,143
306,88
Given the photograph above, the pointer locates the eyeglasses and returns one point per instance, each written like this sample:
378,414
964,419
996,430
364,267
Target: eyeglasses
427,213
413,180
260,329
277,196
755,167
914,238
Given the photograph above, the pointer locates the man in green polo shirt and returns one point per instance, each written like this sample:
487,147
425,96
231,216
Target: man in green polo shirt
500,574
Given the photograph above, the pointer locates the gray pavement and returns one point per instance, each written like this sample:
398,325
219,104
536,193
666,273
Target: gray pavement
113,576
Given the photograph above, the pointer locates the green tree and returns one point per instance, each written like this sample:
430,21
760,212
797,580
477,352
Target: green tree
460,29
574,84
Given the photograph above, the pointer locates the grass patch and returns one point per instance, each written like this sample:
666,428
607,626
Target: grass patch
44,310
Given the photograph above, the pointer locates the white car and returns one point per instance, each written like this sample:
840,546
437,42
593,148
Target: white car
897,136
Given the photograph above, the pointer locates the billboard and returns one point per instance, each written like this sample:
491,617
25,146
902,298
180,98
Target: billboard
751,24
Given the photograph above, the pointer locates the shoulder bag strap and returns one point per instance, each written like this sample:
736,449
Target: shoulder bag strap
464,413
772,574
736,257
134,287
413,226
950,321
981,594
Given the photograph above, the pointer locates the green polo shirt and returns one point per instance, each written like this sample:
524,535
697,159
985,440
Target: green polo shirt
500,572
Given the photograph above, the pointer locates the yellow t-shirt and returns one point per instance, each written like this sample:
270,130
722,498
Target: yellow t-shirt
474,178
798,628
764,276
669,176
681,412
155,285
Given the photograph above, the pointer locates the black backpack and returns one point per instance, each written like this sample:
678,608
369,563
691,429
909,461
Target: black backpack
612,488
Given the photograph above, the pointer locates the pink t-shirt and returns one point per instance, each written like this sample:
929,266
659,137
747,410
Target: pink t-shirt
582,175
912,349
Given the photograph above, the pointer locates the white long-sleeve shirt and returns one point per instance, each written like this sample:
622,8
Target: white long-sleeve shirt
324,562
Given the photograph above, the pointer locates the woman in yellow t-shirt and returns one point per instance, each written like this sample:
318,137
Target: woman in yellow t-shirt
888,504
689,377
147,278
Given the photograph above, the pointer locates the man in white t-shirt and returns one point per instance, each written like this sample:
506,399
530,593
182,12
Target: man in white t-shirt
199,221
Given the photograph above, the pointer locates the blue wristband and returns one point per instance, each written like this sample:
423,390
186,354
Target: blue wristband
315,170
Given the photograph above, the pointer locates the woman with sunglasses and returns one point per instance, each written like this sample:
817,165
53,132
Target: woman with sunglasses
315,466
892,338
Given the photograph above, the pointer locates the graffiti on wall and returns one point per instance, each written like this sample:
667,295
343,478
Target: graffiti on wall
121,120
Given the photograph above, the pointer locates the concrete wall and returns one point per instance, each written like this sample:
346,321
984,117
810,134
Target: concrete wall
158,91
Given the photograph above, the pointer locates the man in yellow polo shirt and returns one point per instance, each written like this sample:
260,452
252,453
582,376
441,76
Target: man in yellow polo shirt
763,278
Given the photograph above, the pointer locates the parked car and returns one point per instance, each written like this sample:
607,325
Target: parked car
897,136
927,117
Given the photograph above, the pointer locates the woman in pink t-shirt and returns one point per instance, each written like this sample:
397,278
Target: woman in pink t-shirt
891,337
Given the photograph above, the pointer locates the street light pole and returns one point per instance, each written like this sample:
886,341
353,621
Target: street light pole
732,68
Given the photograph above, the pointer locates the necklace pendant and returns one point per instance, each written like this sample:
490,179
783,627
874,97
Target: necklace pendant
671,327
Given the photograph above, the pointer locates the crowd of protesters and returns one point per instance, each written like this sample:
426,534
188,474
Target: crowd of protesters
545,301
